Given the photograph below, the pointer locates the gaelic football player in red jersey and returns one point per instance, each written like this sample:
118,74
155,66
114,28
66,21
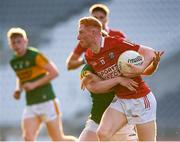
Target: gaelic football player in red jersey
101,12
132,106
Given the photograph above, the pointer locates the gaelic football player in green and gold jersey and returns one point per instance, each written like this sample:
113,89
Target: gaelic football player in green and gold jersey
34,74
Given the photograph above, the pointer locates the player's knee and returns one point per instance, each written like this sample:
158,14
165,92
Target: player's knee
28,136
103,134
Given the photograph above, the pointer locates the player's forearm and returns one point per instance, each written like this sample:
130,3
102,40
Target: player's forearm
154,64
46,79
150,69
103,86
74,64
74,61
18,85
148,54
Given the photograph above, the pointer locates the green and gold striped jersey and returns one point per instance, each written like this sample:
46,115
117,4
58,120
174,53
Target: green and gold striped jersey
29,68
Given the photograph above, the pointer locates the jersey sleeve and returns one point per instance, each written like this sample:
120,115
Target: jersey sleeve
79,50
85,71
41,60
125,45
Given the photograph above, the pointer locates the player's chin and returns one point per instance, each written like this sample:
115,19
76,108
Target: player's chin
18,51
84,45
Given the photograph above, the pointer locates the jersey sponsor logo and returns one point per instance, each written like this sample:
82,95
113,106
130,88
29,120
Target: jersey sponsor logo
110,72
24,74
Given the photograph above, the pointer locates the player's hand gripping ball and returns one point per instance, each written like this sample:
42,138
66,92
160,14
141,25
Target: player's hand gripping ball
128,60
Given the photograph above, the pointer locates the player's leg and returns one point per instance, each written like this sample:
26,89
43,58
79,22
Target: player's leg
89,132
54,122
55,130
127,133
30,128
30,124
147,131
113,119
88,136
146,123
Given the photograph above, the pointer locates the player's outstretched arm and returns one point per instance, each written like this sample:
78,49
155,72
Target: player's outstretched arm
52,73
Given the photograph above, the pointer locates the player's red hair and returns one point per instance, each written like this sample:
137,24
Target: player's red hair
91,21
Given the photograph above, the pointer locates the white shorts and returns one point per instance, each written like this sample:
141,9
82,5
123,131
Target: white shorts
127,133
137,111
46,111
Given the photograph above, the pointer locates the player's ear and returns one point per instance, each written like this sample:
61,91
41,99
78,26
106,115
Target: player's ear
93,32
27,40
107,20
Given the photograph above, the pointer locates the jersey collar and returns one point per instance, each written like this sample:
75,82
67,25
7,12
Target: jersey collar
102,42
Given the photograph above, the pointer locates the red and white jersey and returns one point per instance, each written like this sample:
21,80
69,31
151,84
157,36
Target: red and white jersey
105,65
80,50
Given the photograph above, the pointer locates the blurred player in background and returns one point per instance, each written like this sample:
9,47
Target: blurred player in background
34,73
101,12
135,104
